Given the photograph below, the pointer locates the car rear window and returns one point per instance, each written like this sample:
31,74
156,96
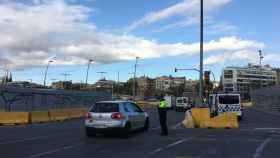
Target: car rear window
229,99
105,107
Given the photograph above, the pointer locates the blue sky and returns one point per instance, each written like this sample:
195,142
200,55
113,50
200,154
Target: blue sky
163,33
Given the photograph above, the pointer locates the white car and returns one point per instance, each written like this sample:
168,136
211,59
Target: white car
115,116
182,104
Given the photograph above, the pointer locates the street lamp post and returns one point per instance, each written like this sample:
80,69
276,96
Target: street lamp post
46,72
201,53
261,58
88,66
134,78
118,82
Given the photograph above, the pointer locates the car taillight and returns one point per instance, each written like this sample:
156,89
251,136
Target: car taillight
88,115
117,116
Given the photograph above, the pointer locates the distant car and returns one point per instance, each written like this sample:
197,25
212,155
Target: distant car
183,104
115,116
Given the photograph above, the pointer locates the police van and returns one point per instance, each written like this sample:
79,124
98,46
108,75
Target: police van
225,102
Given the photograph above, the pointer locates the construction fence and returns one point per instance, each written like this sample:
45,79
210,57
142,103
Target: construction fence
28,99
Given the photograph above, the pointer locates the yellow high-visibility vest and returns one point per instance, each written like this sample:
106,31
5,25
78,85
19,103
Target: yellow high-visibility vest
163,104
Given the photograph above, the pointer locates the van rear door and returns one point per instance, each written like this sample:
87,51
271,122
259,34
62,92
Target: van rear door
229,103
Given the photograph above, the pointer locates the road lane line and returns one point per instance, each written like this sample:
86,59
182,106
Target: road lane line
260,149
156,151
53,151
177,125
171,145
176,143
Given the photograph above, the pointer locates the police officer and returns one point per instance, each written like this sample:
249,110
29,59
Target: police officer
162,111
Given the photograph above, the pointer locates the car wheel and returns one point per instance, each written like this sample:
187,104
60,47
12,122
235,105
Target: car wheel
90,133
125,133
147,124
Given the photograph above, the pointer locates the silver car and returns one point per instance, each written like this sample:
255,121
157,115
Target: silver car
115,116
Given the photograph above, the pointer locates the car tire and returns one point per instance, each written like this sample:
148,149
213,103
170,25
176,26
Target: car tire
90,133
147,124
126,131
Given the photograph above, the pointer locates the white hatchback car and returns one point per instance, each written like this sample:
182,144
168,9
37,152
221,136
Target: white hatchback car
115,116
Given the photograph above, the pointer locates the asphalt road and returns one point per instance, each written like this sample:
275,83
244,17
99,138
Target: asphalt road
257,137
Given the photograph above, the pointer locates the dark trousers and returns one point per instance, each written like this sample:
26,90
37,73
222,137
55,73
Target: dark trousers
162,119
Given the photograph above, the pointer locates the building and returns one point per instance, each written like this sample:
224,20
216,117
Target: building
62,85
165,83
178,81
146,86
245,79
277,76
104,85
23,84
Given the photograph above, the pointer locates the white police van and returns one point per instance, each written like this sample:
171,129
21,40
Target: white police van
225,102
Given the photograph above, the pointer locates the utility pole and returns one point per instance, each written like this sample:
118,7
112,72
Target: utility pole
65,75
201,53
112,91
134,78
118,82
261,58
46,71
88,66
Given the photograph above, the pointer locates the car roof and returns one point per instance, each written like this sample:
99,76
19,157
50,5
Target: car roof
116,101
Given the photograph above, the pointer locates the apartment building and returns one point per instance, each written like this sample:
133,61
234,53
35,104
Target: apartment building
164,83
245,79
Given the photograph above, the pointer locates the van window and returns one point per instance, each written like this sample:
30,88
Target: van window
179,101
105,107
229,99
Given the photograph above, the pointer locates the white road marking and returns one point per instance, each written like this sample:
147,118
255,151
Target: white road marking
171,145
176,143
157,150
177,125
260,149
53,151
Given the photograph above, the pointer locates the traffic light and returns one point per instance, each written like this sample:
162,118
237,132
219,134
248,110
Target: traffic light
207,77
176,69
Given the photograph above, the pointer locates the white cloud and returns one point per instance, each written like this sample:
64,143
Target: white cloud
247,56
189,9
31,34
